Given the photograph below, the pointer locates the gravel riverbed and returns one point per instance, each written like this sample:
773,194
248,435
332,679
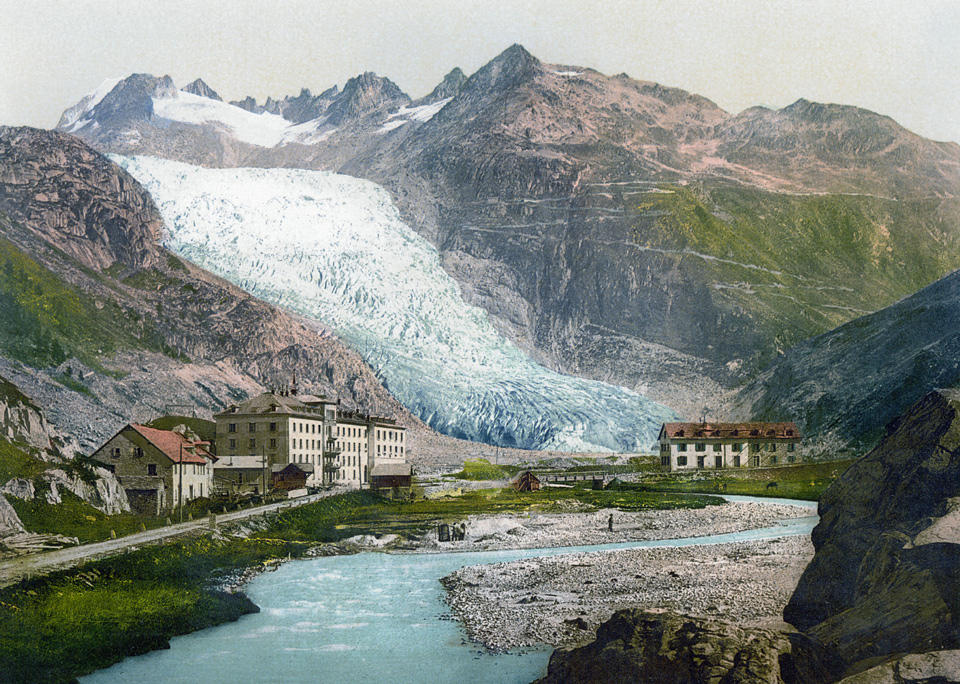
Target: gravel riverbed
561,600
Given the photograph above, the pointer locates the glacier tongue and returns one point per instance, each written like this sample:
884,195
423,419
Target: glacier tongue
334,248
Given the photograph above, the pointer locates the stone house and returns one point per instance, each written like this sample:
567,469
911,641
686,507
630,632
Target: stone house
693,446
158,469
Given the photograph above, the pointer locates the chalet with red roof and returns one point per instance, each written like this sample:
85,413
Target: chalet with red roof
158,469
692,446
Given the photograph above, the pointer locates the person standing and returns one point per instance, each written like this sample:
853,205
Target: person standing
610,523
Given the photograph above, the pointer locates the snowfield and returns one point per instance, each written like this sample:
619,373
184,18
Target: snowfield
333,248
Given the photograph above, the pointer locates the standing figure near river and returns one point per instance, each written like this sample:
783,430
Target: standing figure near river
610,523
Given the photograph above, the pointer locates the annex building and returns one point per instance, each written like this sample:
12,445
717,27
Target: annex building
260,437
692,446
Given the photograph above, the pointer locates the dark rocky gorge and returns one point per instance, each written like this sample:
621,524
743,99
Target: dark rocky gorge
879,603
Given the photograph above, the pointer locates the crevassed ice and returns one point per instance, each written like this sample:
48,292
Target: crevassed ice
333,248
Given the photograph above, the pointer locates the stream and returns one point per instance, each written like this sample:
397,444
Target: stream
370,617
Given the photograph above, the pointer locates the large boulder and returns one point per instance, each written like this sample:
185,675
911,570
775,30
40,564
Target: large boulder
666,648
886,576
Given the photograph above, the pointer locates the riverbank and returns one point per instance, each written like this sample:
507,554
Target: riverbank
561,600
582,525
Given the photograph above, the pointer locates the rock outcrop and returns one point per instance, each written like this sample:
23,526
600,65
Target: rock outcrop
665,648
886,576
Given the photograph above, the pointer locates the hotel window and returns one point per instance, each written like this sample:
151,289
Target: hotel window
701,446
253,444
273,443
233,444
253,427
771,447
681,460
773,459
151,469
700,461
232,427
116,452
682,447
736,461
273,427
717,447
791,447
737,447
719,462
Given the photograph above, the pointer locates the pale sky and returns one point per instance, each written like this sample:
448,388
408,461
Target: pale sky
899,58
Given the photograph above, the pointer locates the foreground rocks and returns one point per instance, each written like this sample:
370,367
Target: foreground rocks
886,576
661,648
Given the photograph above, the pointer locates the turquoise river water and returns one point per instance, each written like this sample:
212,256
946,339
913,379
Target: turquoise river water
370,617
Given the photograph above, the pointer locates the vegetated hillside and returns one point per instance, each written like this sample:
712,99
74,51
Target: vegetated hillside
99,333
844,386
613,228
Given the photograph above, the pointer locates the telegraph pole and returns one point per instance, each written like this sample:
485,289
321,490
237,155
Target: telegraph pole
180,487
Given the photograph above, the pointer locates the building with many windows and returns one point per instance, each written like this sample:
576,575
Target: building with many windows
692,446
333,445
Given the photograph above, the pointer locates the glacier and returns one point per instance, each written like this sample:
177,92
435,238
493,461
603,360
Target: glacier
334,249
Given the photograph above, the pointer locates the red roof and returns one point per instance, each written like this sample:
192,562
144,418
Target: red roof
744,431
174,445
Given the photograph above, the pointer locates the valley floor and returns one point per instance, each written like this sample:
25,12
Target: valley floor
562,600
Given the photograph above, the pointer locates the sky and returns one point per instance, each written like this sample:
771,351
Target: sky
899,58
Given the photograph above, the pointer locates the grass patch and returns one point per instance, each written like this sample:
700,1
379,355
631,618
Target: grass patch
74,517
482,469
205,429
45,320
805,482
18,462
59,627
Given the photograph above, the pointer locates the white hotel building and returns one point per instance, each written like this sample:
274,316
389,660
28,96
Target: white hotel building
276,428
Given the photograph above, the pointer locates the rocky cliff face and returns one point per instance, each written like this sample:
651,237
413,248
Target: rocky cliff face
665,648
884,579
76,200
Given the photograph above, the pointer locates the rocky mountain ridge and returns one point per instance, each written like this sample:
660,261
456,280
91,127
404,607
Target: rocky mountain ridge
617,229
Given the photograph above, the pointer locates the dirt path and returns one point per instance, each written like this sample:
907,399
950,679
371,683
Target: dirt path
16,569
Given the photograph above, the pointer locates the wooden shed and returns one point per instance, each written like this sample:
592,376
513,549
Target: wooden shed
390,475
291,476
526,482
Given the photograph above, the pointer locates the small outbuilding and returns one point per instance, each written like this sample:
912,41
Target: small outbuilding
527,482
290,476
390,475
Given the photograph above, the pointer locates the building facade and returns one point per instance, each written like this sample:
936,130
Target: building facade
274,429
158,469
701,446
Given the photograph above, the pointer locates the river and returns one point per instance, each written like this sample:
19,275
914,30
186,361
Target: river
370,617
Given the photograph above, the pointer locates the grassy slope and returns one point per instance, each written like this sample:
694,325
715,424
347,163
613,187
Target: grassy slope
45,320
821,260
